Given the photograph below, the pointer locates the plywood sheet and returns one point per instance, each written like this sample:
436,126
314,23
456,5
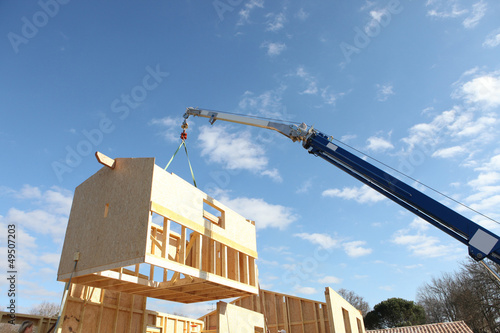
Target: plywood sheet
343,317
118,239
41,323
85,313
289,313
232,318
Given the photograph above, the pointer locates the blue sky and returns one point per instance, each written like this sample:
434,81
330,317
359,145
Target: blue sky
414,84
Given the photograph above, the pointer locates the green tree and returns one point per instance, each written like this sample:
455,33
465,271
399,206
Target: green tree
394,312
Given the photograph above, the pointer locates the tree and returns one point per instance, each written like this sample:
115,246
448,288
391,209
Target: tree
471,294
395,312
355,300
45,309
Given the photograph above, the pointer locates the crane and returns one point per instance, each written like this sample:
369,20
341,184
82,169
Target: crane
481,242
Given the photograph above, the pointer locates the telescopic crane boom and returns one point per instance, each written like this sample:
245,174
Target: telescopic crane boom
481,242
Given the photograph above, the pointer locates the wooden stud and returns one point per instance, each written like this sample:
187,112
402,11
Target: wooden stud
182,251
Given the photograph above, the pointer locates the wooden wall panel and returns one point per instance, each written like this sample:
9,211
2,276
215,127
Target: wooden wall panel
343,317
289,313
119,239
42,324
94,310
111,228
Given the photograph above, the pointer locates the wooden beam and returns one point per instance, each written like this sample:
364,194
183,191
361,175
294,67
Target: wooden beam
165,212
105,160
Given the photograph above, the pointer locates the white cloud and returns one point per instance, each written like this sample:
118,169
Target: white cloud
492,164
368,4
50,219
29,192
445,9
39,221
384,91
378,144
478,11
172,127
264,214
234,151
356,249
304,290
275,22
51,258
419,224
485,179
323,240
246,11
386,288
376,17
330,97
493,39
420,244
348,137
330,280
483,90
427,134
312,85
363,194
467,126
274,174
305,186
273,49
302,14
449,152
267,104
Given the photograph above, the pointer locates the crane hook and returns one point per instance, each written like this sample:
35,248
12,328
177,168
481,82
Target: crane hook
184,126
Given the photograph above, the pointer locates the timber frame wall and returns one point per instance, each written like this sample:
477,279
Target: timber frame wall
41,323
230,318
93,310
289,313
138,229
296,315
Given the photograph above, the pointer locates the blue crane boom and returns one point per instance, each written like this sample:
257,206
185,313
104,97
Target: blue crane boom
481,242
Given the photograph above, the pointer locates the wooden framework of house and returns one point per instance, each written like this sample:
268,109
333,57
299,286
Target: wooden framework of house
229,318
94,310
41,323
138,229
294,314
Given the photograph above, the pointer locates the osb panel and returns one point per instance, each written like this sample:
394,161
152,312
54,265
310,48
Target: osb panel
287,312
108,325
111,297
342,314
172,323
83,314
90,323
123,321
41,323
176,194
120,238
72,317
233,318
